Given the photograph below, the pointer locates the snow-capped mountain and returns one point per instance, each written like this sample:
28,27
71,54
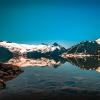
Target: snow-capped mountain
51,51
98,41
23,49
84,48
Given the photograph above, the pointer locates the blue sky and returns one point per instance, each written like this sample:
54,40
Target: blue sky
65,21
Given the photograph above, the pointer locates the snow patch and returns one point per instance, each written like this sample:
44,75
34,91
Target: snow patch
98,41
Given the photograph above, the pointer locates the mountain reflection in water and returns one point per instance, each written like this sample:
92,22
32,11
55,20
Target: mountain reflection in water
87,63
10,69
24,62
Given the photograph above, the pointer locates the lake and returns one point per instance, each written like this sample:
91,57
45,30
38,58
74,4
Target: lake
71,78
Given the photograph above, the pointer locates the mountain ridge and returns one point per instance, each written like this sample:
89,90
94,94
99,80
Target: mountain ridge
23,49
84,48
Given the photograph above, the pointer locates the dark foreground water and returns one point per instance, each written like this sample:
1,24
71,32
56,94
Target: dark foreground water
76,78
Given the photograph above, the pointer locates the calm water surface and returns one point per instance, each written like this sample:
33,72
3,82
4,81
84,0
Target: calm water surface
47,78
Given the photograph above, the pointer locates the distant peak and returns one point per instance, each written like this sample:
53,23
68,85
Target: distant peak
98,41
56,44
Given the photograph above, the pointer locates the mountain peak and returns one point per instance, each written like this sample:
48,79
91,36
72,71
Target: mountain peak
98,41
56,44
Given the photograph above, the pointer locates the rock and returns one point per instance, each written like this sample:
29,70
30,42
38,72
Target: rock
8,72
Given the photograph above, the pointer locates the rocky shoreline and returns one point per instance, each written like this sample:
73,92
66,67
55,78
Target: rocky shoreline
8,72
